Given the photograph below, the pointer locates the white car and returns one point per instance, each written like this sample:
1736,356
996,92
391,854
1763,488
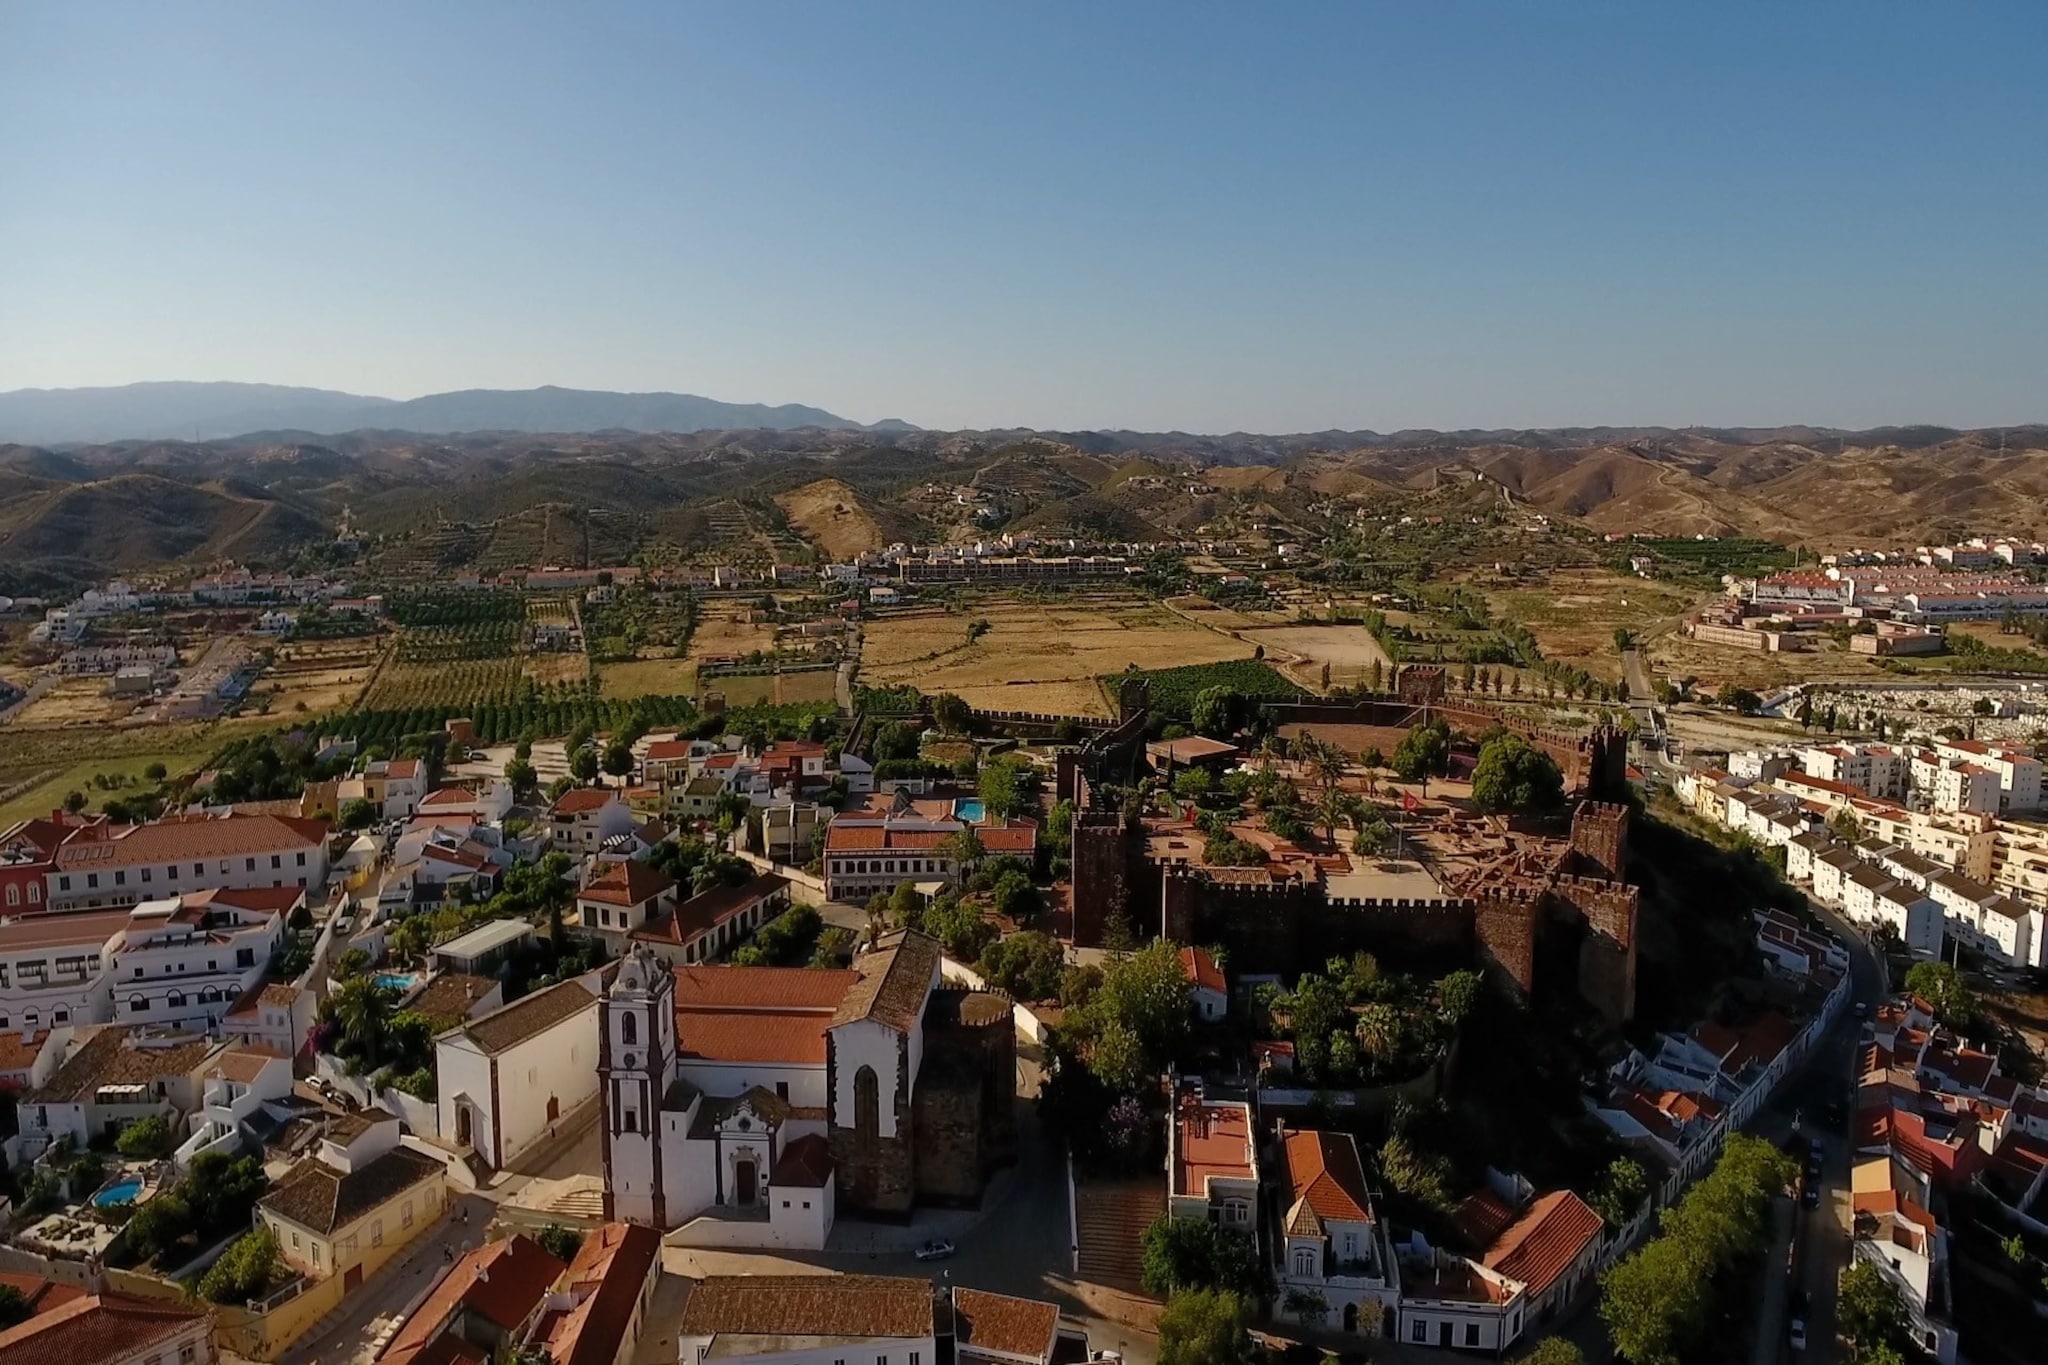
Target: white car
1797,1336
937,1249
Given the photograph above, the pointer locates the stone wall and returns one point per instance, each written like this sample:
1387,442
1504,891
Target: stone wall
1600,840
876,1175
1607,956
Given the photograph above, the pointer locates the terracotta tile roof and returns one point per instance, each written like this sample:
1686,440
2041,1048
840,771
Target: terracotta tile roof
762,988
39,1294
19,1053
451,995
609,1270
1482,1217
527,1018
244,1064
317,1196
1542,1244
1019,836
1201,970
705,912
280,994
104,1058
627,883
95,1330
578,800
502,1281
807,1305
1190,748
449,796
346,1128
261,900
796,1037
894,982
195,838
806,1162
1328,1183
668,750
89,929
998,1322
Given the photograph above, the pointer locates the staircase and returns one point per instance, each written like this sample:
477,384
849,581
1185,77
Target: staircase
584,1202
1111,1219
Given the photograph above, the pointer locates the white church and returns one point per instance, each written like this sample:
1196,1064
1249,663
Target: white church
762,1097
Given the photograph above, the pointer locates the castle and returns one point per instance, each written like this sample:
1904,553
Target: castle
771,1099
1540,914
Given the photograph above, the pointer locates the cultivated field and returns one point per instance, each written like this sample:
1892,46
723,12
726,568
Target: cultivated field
403,685
74,701
317,676
1036,657
648,677
556,667
786,689
1575,613
721,634
1348,650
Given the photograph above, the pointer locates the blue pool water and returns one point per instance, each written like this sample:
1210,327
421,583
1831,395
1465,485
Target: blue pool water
121,1192
397,981
969,810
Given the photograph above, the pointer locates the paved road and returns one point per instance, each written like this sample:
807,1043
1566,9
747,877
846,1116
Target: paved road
355,1331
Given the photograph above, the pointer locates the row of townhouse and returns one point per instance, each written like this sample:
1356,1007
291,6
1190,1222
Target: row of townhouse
183,961
1948,775
97,864
1334,1258
1934,1114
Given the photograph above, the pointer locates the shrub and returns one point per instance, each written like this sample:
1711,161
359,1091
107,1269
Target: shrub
244,1270
146,1139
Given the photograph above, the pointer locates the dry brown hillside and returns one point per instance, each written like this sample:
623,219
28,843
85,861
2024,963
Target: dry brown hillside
840,521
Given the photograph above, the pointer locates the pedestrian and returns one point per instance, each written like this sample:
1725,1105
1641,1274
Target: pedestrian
463,1215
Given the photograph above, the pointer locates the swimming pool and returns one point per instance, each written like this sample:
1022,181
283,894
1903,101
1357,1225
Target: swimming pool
969,809
120,1192
397,981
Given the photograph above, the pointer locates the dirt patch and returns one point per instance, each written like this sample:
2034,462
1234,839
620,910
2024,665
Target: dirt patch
832,516
1345,647
1036,657
648,678
1575,612
556,668
75,701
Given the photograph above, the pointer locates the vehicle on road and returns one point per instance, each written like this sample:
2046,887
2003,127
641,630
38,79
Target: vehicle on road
938,1249
1795,1331
1809,1194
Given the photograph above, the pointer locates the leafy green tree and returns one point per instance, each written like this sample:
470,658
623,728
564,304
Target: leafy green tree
964,848
1189,1253
155,772
560,1242
1204,1327
835,946
584,764
1015,897
618,758
1215,712
1945,989
1458,993
959,926
952,713
244,1270
158,1224
1007,786
1514,775
1554,1351
358,814
520,774
146,1139
74,801
361,1010
13,1307
1029,965
354,962
1424,752
1622,1189
1870,1313
1193,784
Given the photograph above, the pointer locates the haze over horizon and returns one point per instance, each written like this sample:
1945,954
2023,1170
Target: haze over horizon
1150,217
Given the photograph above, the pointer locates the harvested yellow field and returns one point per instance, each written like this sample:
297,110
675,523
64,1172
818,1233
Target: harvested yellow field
316,676
648,678
1342,647
75,701
720,633
775,689
1036,657
1575,612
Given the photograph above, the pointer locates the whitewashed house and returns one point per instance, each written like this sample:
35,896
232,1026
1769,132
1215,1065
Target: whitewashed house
508,1077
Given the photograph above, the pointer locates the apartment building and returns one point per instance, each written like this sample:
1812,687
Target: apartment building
114,865
2018,772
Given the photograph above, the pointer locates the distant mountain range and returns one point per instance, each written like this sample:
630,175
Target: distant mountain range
212,411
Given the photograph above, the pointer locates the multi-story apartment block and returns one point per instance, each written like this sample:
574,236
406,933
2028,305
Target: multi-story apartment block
2019,772
116,865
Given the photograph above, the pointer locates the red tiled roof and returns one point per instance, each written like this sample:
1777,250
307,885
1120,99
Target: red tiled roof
609,1270
668,750
999,1322
268,900
1324,1174
18,1053
39,1294
502,1281
1201,970
1482,1217
807,1305
92,927
244,1064
1542,1244
705,912
762,988
1017,837
446,1349
577,800
627,883
196,838
96,1329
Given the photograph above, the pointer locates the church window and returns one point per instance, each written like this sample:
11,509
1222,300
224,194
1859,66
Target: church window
629,1029
867,1102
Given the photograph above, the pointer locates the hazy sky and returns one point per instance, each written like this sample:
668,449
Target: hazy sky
1210,217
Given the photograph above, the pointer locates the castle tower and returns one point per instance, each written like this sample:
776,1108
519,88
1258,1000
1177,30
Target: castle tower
636,1065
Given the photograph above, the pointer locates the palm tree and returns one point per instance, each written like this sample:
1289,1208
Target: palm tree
1330,808
362,1009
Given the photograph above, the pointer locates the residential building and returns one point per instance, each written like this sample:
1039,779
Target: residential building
1212,1162
485,1305
237,1083
507,1078
482,949
621,898
111,1329
58,969
115,865
1458,1304
352,1205
582,818
597,1308
186,960
1208,991
999,1329
272,1015
808,1320
708,926
2018,771
110,1077
789,830
890,839
1550,1249
1334,1262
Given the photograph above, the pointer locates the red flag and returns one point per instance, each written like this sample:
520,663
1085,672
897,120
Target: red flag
1408,801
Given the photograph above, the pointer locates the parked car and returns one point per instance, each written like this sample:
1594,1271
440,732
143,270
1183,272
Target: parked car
1795,1333
938,1249
1809,1194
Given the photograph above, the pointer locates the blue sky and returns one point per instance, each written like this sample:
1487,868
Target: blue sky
1209,217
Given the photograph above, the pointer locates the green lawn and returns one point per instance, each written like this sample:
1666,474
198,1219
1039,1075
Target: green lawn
49,794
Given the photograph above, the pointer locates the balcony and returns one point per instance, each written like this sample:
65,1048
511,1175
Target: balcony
209,1136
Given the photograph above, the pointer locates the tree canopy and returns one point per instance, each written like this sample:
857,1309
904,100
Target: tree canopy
1204,1327
1424,752
1514,775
